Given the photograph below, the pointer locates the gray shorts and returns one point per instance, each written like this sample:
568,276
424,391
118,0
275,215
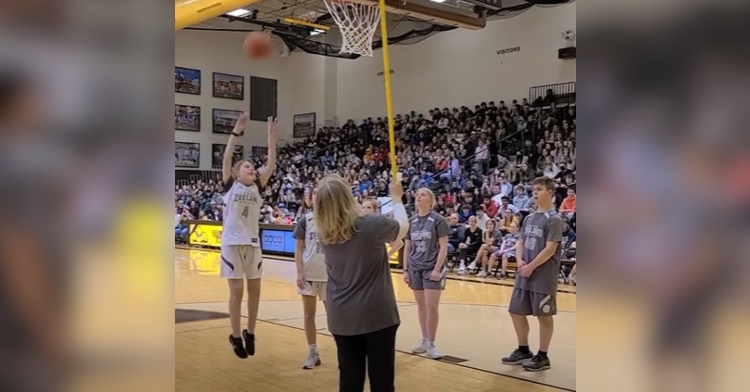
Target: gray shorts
420,280
529,303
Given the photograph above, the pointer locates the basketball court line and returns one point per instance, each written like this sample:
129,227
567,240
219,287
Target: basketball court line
328,335
284,322
468,279
324,332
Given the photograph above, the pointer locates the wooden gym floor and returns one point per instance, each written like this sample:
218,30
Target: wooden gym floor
475,331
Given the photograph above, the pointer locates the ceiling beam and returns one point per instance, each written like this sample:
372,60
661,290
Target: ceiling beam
430,14
192,12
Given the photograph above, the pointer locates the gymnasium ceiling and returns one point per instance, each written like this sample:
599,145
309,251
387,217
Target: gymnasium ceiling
271,11
409,21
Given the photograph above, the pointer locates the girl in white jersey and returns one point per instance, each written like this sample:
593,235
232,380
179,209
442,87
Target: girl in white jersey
312,279
241,258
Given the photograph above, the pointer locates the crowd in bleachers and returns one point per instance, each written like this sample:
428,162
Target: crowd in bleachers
479,163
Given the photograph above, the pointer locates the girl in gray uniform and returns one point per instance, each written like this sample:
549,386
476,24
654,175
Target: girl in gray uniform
426,246
362,313
312,280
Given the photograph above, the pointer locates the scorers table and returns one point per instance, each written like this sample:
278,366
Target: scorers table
275,240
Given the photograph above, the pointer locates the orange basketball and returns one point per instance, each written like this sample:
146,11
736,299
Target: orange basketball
258,45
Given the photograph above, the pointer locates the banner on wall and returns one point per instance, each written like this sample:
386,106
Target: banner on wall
304,125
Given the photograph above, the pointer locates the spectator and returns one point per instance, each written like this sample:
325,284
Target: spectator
470,245
507,250
490,207
482,218
568,207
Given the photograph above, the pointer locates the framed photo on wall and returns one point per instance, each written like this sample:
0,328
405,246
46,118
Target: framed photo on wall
258,152
187,118
224,120
217,155
304,125
229,86
187,154
187,81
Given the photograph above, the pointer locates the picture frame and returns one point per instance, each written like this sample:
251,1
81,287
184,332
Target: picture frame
259,152
304,125
187,118
228,86
187,154
187,81
223,120
217,154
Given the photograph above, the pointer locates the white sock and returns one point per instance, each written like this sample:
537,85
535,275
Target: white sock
313,348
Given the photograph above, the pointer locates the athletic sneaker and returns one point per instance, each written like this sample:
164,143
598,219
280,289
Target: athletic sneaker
237,346
472,266
249,342
517,357
421,348
462,270
537,364
312,361
433,352
501,275
483,274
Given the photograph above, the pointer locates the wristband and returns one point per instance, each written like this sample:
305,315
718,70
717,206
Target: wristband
236,134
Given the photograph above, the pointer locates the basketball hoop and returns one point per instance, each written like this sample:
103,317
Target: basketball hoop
357,23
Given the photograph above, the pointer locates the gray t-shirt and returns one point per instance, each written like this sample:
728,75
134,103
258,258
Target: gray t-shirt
539,228
360,290
424,232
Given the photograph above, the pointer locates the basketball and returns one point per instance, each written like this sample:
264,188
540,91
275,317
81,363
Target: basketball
257,46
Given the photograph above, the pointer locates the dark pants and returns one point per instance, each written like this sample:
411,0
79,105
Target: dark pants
468,254
375,353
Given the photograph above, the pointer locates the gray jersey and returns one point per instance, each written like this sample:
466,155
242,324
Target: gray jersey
539,228
424,232
313,260
242,214
360,288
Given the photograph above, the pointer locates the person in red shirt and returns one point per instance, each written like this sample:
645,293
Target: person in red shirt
568,206
490,207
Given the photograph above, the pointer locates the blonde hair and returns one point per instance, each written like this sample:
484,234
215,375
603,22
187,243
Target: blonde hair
335,210
373,202
237,165
433,201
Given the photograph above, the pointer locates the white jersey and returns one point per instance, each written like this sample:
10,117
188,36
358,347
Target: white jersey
242,214
313,260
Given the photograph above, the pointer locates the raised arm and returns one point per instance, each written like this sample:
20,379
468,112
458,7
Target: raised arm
239,130
399,212
267,171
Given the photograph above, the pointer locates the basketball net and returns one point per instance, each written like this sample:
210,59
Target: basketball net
357,23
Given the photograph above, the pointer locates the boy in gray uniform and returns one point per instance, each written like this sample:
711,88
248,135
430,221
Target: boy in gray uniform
538,256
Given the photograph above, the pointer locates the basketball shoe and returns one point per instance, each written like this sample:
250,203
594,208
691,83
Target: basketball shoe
249,342
237,346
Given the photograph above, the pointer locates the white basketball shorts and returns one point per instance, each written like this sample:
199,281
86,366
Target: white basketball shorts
241,262
314,289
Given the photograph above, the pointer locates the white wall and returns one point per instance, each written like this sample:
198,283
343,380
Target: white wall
300,77
462,67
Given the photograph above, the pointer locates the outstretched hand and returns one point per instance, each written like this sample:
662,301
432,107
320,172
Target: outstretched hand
273,123
397,190
241,123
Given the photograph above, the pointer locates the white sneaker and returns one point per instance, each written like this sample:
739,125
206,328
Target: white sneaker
421,348
433,352
472,266
462,270
483,274
312,361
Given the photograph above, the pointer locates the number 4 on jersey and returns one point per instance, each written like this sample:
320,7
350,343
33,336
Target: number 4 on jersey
245,211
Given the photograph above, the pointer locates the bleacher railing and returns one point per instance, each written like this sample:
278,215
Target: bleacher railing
565,93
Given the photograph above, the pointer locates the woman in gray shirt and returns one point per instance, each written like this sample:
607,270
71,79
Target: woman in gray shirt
362,313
